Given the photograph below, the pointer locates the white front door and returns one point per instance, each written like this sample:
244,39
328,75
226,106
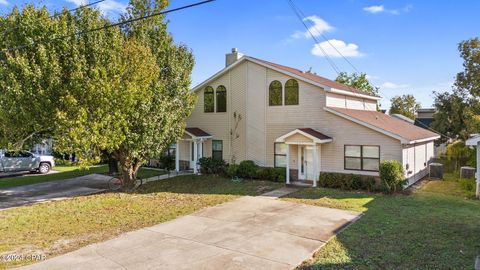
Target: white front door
192,153
305,162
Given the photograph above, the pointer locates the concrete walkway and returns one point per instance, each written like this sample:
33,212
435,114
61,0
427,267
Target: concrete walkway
247,233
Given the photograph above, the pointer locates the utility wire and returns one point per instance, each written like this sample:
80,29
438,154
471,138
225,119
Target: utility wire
299,16
57,14
326,39
35,43
431,129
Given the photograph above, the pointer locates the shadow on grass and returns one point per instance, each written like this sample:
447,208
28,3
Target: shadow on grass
65,172
207,184
424,230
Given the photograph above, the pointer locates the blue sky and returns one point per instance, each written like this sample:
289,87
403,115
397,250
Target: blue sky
403,46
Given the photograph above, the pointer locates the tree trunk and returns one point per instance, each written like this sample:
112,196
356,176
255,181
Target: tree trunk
112,165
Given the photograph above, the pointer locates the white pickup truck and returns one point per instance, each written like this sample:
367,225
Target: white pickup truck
14,161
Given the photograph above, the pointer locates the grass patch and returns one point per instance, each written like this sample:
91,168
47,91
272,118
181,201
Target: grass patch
66,172
434,227
58,227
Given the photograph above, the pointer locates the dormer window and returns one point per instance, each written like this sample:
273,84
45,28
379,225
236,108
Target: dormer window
275,94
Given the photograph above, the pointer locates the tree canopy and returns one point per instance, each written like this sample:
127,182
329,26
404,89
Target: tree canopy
358,81
124,90
458,113
405,105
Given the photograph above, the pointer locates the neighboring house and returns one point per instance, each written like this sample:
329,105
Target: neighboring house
297,120
45,147
424,117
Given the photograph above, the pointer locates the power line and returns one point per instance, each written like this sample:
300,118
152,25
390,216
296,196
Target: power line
327,40
35,43
57,14
431,129
299,16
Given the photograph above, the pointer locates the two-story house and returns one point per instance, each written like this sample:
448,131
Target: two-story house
283,117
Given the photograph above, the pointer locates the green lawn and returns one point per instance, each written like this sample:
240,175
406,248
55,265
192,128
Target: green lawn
58,227
65,172
434,227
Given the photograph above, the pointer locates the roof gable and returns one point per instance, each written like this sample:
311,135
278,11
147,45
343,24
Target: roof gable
324,83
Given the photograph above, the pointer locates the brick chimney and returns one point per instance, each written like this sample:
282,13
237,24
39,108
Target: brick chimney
232,57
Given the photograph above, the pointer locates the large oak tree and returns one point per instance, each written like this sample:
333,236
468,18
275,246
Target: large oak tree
124,91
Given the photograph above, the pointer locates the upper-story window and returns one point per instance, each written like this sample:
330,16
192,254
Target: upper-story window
291,92
208,100
275,94
221,99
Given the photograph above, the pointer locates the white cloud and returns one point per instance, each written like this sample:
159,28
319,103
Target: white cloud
326,47
372,77
381,9
391,85
319,27
374,9
105,7
4,2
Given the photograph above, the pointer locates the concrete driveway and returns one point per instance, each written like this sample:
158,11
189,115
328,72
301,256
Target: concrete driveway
247,233
53,190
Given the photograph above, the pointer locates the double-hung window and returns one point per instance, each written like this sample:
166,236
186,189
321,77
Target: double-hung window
280,159
362,157
217,149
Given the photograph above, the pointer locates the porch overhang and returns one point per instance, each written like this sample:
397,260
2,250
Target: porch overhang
195,134
304,136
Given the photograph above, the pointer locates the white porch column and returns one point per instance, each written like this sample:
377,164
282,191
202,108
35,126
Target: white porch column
478,171
315,164
177,157
195,157
287,165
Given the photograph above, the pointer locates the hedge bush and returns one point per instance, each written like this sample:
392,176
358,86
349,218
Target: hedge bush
232,170
209,165
392,175
247,169
347,181
271,174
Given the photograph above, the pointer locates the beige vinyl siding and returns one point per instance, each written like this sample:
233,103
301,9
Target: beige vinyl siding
218,124
354,103
335,100
255,113
417,157
347,102
370,105
184,150
298,138
238,78
247,94
310,113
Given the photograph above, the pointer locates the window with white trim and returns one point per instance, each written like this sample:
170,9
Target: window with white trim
280,155
362,157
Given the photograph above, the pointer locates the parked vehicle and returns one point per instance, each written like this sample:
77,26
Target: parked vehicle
14,161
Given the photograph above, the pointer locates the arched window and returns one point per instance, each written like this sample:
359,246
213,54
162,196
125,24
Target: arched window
208,104
291,92
221,99
275,94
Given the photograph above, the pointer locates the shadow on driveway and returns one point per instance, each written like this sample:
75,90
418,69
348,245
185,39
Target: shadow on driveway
53,190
